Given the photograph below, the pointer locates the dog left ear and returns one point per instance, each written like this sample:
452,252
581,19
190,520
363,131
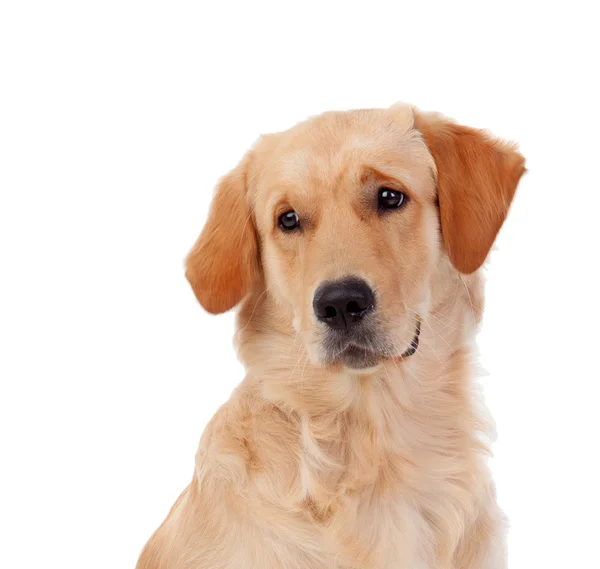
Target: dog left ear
222,265
477,177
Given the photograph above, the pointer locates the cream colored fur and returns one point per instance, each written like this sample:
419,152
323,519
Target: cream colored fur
310,466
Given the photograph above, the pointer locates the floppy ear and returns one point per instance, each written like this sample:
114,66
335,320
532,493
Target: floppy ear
477,177
222,265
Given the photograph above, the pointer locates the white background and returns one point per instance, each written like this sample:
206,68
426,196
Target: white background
116,120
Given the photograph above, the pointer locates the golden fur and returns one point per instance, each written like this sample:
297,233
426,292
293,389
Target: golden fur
311,465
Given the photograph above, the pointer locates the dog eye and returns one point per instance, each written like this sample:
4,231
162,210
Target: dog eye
390,199
289,220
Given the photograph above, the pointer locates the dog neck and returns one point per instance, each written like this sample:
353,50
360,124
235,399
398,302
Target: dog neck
417,420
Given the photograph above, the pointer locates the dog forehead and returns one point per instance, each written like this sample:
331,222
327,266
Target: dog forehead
321,151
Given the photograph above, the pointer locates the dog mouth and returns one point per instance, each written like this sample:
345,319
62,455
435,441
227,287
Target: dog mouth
358,357
366,352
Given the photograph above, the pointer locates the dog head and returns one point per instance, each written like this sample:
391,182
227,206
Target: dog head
345,219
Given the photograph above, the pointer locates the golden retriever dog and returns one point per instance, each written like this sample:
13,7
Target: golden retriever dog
353,244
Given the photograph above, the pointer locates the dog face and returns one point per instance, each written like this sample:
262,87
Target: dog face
346,214
345,220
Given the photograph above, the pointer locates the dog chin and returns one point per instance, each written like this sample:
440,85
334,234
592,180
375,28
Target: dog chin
357,358
354,359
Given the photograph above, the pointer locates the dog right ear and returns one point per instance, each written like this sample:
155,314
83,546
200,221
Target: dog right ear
223,263
477,176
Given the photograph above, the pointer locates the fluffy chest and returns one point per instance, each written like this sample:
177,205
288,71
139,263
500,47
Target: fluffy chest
394,492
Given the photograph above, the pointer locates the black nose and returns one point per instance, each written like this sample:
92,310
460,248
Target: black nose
343,304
